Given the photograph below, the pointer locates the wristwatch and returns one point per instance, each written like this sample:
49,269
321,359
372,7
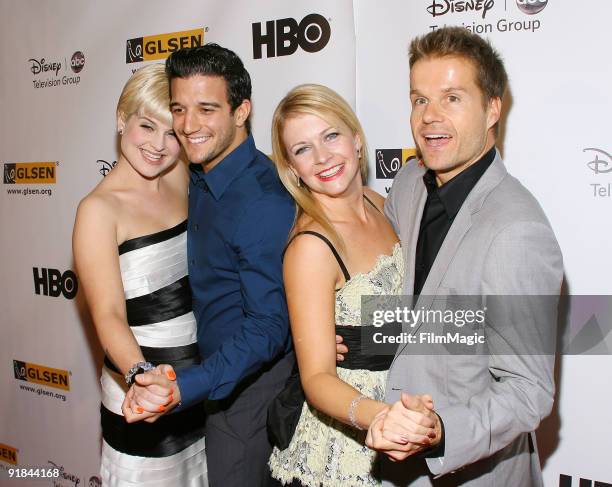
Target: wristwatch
136,369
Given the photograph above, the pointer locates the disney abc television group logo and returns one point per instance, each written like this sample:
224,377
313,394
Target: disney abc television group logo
442,7
531,7
52,68
38,66
597,165
105,166
600,164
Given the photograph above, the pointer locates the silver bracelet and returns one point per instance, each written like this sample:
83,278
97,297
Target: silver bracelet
351,412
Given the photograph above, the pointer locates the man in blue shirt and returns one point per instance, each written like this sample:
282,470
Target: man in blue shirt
239,219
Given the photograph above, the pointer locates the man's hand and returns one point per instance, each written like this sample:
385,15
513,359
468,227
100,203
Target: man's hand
341,349
152,395
407,427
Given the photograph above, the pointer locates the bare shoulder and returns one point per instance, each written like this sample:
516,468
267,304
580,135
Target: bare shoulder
307,252
96,218
100,203
375,197
309,266
303,246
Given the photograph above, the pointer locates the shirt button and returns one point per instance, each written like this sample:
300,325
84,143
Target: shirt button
196,227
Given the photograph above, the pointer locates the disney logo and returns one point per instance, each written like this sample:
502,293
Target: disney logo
43,66
106,166
442,7
597,165
65,475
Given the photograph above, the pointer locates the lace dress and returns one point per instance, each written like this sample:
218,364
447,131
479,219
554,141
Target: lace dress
323,451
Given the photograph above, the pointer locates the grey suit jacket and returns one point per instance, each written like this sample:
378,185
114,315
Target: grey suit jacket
500,243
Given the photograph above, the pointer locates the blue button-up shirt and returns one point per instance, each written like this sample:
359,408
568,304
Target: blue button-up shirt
239,219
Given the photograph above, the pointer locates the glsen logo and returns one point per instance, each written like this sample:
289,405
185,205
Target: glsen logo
42,66
283,36
160,46
51,282
8,454
39,374
389,161
442,7
105,166
77,62
566,481
597,165
30,173
531,7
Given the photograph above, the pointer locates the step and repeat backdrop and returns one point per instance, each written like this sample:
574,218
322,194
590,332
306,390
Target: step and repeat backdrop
63,66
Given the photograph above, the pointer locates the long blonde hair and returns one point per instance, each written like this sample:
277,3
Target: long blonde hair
325,103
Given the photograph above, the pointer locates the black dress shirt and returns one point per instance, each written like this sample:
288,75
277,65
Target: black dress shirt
442,205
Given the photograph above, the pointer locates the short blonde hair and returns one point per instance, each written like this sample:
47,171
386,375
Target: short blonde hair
146,92
325,103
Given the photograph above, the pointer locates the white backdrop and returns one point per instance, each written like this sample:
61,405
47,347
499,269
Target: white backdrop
63,66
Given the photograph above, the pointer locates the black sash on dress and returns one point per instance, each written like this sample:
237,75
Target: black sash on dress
285,410
169,434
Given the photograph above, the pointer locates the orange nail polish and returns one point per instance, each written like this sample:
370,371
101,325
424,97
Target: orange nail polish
161,408
139,409
171,375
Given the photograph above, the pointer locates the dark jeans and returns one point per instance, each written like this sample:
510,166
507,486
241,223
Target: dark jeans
237,444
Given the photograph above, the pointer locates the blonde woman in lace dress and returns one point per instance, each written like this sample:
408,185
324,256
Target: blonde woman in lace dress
341,247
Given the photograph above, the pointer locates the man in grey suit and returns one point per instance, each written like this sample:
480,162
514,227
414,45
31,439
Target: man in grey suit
467,227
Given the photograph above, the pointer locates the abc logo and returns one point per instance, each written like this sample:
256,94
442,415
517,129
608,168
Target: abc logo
77,61
282,37
51,282
531,7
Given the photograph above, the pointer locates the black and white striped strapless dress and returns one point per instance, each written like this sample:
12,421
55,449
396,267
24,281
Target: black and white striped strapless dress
169,452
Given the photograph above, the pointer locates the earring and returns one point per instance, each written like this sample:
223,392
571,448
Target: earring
298,181
358,153
120,131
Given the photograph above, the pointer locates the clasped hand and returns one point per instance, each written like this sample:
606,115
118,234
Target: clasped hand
153,394
405,428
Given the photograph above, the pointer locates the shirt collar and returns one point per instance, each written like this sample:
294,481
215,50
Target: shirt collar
453,193
218,179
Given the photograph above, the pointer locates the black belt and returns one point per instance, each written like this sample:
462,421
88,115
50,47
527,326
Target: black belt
178,357
355,359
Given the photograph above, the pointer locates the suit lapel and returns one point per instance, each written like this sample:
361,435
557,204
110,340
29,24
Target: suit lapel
461,225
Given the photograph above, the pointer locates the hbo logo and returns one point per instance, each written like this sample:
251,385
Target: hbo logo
282,37
51,282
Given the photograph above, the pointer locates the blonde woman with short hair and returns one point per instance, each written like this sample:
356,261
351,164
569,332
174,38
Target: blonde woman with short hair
129,245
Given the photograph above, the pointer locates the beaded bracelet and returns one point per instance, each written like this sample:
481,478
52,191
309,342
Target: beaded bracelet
351,412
